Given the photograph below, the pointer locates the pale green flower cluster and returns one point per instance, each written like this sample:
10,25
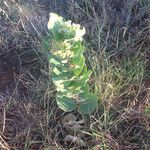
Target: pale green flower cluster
65,29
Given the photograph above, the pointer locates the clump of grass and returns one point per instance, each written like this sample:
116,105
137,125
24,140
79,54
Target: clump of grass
113,78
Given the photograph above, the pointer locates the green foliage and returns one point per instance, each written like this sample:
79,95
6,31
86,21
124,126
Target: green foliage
147,110
69,71
115,77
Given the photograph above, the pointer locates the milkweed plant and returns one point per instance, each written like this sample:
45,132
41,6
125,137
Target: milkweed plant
69,72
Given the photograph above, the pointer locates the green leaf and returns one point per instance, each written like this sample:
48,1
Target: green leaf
84,95
78,49
86,72
56,71
60,80
66,104
59,71
78,59
68,92
79,65
82,80
54,61
89,105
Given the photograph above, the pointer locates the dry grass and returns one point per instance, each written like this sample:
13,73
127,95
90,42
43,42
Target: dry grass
117,43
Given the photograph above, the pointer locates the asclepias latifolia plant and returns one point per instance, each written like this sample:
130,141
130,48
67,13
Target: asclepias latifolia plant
68,69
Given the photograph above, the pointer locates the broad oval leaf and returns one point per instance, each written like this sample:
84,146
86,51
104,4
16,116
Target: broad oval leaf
66,104
89,105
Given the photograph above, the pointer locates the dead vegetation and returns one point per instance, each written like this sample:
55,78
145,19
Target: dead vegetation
117,42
